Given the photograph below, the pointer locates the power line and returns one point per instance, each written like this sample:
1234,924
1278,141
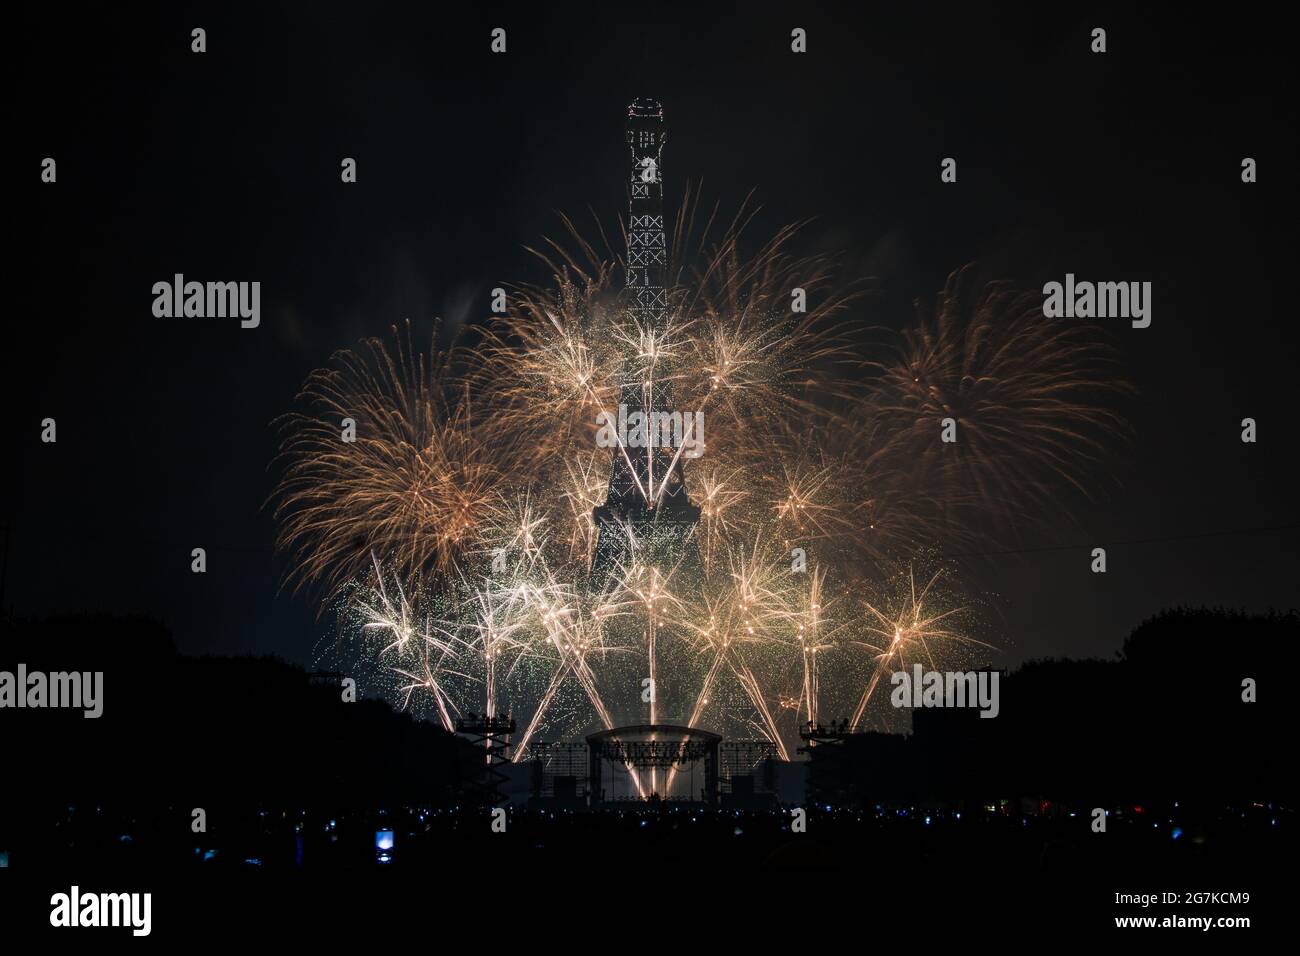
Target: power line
1226,533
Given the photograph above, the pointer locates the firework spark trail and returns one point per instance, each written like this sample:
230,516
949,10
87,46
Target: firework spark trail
486,450
583,491
1022,389
382,616
900,632
424,469
426,681
748,607
592,398
566,627
719,652
652,588
740,356
717,495
553,686
818,626
811,643
755,692
866,696
573,640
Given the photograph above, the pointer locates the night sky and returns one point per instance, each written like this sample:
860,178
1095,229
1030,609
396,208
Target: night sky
225,166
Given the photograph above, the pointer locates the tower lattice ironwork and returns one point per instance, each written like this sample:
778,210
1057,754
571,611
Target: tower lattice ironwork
646,509
493,735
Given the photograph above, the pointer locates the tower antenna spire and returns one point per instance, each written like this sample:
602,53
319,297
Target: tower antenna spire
647,494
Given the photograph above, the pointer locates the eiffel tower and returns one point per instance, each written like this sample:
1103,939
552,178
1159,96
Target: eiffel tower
646,509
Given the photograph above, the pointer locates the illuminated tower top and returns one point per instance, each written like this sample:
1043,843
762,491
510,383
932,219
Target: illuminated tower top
647,246
647,496
645,129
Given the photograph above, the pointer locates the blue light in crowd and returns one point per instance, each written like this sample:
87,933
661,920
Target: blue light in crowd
1177,832
384,840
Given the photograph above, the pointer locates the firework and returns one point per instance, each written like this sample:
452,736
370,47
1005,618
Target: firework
455,534
914,620
425,466
1022,390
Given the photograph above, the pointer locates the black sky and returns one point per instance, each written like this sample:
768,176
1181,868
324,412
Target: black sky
225,166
